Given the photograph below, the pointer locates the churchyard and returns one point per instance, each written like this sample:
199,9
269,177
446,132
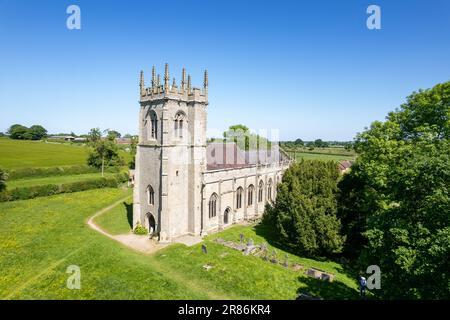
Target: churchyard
40,238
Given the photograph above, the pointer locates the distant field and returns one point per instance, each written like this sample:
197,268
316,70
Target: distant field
15,154
21,154
54,180
319,156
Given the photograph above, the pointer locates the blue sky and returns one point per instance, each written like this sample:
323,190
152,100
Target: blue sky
308,68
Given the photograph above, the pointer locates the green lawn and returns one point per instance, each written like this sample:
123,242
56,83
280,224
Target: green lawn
29,182
118,220
40,238
20,154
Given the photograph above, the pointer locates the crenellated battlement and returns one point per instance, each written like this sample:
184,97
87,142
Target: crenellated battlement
184,92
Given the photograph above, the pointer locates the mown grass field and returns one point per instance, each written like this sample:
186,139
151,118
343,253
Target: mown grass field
319,156
22,154
40,238
15,154
30,182
324,154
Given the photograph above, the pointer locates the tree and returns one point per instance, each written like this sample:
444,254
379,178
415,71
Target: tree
3,178
113,135
37,132
104,153
246,140
133,146
18,131
397,197
304,213
94,135
299,142
318,143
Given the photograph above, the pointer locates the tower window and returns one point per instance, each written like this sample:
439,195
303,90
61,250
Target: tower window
178,125
150,195
153,125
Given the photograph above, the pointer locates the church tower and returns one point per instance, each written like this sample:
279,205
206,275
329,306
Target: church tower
170,156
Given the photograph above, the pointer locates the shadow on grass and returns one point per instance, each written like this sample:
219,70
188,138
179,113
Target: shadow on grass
129,208
268,233
335,290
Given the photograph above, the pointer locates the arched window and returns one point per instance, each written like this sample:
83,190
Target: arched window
213,205
239,193
178,124
269,190
251,188
260,191
154,125
150,195
151,124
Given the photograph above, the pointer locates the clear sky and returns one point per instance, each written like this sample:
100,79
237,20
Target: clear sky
311,69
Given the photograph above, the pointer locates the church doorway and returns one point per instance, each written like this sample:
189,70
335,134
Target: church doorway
151,224
226,216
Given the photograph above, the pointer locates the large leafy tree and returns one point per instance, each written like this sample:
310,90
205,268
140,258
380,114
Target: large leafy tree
395,202
304,213
37,132
104,151
246,140
133,149
18,131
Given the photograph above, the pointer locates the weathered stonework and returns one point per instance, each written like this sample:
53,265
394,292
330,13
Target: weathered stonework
173,184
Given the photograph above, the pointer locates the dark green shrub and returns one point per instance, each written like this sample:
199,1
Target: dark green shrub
140,229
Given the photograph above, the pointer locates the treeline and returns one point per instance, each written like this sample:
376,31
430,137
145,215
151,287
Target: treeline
38,132
391,210
318,143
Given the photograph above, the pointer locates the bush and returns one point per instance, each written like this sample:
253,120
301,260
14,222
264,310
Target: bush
51,189
140,229
3,178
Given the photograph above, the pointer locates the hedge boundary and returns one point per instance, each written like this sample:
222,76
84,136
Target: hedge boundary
55,171
25,193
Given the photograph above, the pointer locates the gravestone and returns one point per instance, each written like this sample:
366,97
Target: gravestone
274,256
285,263
264,251
204,249
250,242
207,267
264,246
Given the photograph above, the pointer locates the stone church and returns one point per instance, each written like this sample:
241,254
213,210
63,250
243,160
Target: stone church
184,185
